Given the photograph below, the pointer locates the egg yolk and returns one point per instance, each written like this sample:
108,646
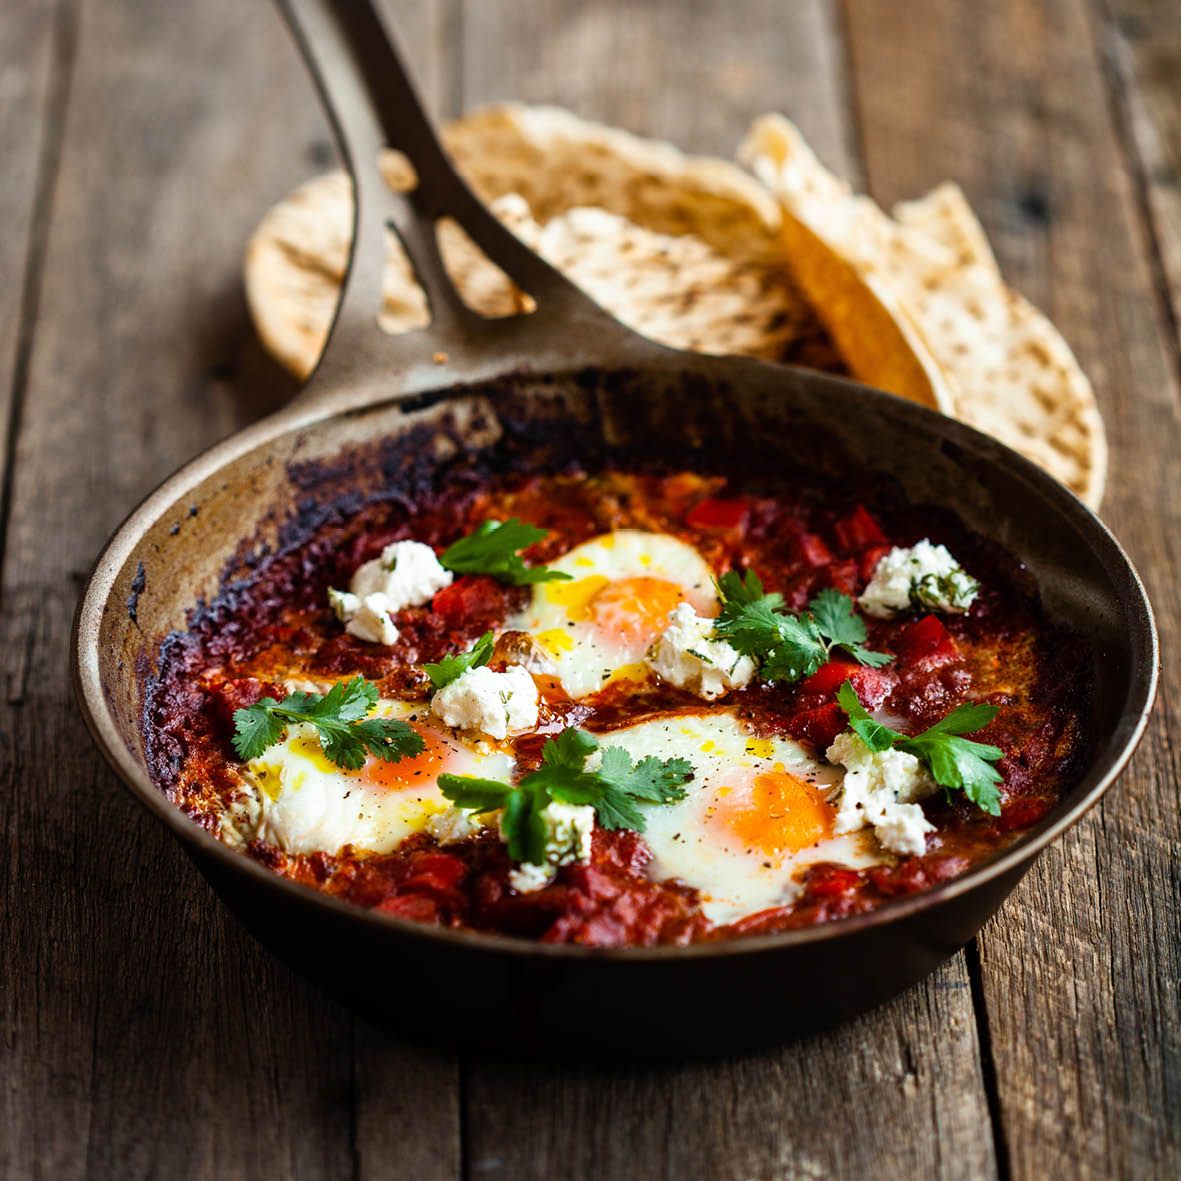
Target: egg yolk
634,610
418,771
779,814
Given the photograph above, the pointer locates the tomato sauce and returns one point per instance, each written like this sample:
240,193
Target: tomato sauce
278,627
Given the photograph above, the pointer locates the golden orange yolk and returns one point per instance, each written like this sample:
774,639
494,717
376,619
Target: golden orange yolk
421,770
634,610
780,814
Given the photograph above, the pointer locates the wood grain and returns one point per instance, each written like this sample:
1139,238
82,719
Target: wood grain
786,1113
1141,43
1080,969
34,74
144,1034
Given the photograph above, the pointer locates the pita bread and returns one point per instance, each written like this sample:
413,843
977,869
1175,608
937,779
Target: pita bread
683,249
1005,367
696,253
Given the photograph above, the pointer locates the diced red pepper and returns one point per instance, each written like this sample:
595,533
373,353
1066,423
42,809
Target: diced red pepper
832,881
872,685
435,873
869,558
1023,812
858,530
716,512
927,642
830,677
813,550
818,726
417,907
842,576
473,597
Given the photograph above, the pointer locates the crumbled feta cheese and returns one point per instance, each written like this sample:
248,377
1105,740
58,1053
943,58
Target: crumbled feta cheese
527,877
686,657
922,575
568,832
366,617
408,573
455,824
882,788
496,703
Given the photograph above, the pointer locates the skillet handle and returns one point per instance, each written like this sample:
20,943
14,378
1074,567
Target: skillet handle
372,104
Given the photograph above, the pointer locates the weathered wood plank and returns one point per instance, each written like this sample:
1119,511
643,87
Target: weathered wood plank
34,73
1081,969
1141,40
144,1034
898,1092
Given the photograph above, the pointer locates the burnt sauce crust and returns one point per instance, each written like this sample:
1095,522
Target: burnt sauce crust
270,621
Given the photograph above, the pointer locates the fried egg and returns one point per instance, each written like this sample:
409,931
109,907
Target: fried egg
756,814
302,802
597,626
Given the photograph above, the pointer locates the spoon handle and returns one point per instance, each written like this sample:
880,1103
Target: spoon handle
372,104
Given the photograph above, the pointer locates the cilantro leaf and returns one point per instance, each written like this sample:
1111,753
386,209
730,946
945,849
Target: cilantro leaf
451,668
959,764
256,728
876,736
494,548
571,748
965,719
955,763
751,629
346,734
613,789
651,780
740,590
800,652
835,617
842,628
656,781
480,795
789,647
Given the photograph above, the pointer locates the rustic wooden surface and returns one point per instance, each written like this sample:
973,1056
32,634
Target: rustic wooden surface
144,1034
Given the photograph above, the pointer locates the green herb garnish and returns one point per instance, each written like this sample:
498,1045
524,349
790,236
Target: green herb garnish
451,668
613,789
494,548
341,717
955,763
789,647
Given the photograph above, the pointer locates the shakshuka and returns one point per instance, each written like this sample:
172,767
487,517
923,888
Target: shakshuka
622,706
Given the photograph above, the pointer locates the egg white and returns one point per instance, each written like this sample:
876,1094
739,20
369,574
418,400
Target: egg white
597,626
298,800
705,839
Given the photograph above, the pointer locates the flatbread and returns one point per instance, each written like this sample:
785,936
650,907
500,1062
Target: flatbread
1005,368
696,253
683,249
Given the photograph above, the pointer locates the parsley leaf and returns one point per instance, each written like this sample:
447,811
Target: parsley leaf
451,668
955,763
845,629
614,789
494,548
876,736
801,650
348,736
789,647
571,748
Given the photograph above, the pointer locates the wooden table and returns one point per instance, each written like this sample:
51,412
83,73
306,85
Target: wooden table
144,1033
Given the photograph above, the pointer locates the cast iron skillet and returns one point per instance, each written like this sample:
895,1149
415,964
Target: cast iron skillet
382,410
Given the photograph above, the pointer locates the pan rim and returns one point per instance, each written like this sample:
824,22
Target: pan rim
1105,767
